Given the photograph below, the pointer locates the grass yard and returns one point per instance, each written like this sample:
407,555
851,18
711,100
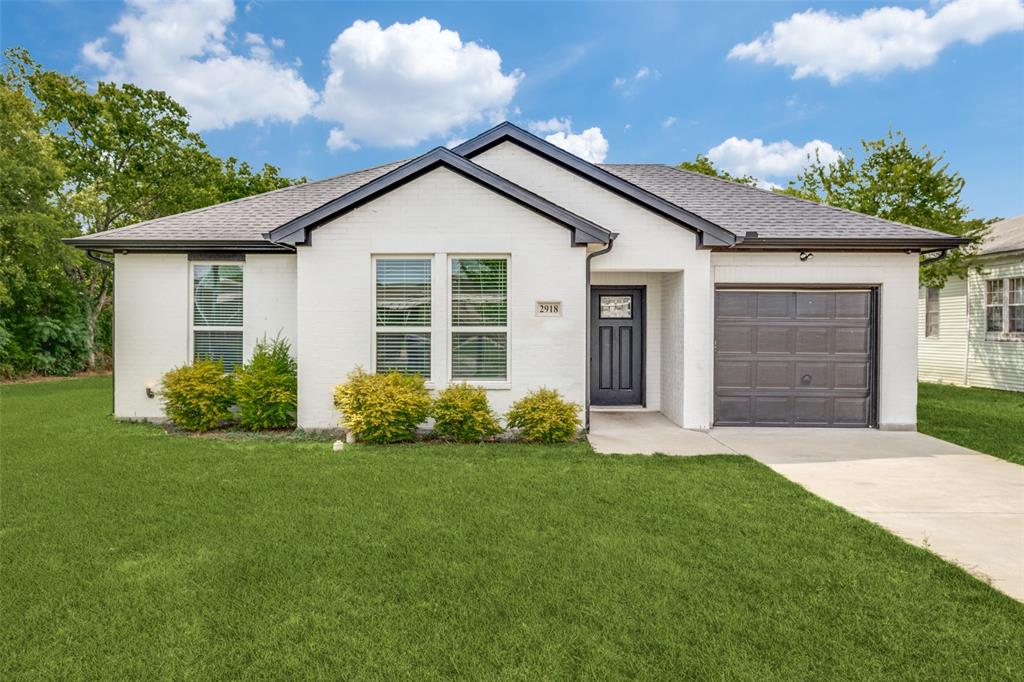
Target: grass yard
131,554
982,419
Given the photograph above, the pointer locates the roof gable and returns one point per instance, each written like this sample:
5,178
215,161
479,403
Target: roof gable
297,230
710,234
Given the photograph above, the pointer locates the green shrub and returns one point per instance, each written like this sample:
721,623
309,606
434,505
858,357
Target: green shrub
461,413
266,387
544,417
382,408
198,397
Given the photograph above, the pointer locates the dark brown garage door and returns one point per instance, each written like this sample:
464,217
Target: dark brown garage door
794,358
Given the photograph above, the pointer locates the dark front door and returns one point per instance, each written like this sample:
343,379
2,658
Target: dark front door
617,345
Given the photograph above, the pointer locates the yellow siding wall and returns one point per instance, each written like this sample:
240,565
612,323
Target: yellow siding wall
994,364
944,358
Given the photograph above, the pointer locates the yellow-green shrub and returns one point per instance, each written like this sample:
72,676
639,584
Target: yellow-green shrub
461,413
266,387
542,416
198,397
382,408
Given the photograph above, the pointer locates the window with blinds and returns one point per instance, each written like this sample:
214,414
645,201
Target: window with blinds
402,311
217,313
479,304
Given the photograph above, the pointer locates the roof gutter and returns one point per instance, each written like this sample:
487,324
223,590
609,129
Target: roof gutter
840,243
586,398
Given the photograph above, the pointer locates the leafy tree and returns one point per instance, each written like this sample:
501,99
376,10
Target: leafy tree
702,164
127,155
41,326
895,182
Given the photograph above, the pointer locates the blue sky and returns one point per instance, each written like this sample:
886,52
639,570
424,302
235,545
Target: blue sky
318,89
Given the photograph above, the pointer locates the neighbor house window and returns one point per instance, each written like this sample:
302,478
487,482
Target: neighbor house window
402,300
1004,307
217,312
479,331
931,312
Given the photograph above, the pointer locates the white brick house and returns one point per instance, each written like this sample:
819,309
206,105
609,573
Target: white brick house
510,263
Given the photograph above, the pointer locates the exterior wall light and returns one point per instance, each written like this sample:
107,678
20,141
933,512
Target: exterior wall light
149,392
806,255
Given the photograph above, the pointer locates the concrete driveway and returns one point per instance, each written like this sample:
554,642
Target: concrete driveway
962,505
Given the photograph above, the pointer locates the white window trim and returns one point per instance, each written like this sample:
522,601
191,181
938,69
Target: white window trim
489,384
192,326
428,329
1004,334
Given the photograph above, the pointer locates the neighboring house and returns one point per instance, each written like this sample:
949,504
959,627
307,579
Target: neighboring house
512,264
971,331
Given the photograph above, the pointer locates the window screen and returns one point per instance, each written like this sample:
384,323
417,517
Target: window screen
217,313
402,288
994,305
479,302
1015,308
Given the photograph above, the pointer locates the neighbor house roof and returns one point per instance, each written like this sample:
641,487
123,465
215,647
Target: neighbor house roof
723,213
1003,236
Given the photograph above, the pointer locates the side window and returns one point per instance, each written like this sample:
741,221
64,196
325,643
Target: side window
931,313
217,312
1015,304
402,290
994,305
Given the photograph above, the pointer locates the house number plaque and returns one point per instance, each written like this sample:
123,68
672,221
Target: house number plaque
549,309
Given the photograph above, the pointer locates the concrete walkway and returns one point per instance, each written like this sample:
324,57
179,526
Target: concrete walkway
962,505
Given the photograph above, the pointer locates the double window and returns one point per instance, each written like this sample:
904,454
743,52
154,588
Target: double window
1004,306
217,312
477,331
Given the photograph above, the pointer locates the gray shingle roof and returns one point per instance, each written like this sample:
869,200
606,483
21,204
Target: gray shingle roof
734,207
1005,235
244,219
739,208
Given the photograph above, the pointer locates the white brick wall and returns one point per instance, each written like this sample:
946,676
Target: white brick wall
647,243
896,275
151,319
438,215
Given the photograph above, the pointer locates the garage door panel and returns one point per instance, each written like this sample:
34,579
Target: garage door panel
737,305
734,374
774,304
775,339
736,339
774,374
852,340
814,304
796,358
813,340
772,410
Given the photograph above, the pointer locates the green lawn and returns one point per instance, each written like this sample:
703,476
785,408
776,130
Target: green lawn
978,418
131,554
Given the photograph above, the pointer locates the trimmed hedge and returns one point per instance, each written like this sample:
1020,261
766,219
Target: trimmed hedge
542,416
382,408
461,413
198,397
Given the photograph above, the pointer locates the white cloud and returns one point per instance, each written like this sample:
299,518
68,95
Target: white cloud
772,159
399,85
820,43
618,82
552,125
669,122
338,140
629,86
590,145
643,72
454,142
183,48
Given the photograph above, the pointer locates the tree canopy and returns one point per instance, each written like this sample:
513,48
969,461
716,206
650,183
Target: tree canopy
79,159
702,164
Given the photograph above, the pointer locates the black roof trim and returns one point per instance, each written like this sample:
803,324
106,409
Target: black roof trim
296,231
710,233
175,246
845,243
